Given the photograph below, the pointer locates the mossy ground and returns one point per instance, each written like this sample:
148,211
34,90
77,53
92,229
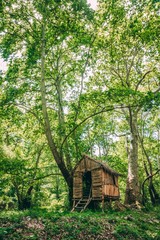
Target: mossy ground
43,224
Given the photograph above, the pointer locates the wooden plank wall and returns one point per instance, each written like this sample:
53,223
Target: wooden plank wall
111,190
109,187
103,183
77,185
97,183
86,165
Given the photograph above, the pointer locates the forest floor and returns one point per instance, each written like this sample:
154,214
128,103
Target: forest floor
45,225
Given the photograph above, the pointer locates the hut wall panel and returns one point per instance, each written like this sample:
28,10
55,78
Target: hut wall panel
116,192
97,183
82,165
76,196
106,190
97,173
110,190
108,179
96,180
103,184
103,177
91,164
77,185
97,192
88,165
77,192
94,165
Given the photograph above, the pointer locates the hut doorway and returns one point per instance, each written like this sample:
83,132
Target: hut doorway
87,183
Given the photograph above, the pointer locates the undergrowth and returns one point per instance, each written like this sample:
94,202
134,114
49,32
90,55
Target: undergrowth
40,224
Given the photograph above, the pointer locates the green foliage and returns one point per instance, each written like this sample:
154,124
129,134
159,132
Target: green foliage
129,224
100,68
151,100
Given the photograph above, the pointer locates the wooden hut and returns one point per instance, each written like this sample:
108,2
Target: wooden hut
93,181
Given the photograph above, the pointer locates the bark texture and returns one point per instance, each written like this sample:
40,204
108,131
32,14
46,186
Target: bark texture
58,156
132,189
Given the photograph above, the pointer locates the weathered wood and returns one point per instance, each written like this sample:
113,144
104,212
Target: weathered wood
104,181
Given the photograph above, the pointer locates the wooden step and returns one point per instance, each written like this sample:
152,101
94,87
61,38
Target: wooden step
83,202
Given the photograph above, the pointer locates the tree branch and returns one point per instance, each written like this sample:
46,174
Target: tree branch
110,108
157,90
30,111
84,120
116,72
48,175
140,81
82,77
148,177
128,70
145,152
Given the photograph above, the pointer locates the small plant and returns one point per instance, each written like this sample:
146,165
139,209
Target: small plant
36,223
126,232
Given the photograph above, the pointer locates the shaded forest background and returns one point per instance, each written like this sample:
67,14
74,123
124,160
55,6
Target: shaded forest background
78,81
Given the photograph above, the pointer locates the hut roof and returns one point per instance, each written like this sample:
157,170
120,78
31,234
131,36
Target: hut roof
101,165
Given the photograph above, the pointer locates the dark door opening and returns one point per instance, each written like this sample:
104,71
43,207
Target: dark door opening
87,183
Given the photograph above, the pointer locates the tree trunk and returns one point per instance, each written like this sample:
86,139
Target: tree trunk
152,191
70,193
47,128
132,189
154,196
25,202
61,120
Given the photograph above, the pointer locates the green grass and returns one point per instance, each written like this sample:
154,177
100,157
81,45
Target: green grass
39,224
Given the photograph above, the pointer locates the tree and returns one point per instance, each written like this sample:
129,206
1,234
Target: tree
127,67
73,69
48,36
